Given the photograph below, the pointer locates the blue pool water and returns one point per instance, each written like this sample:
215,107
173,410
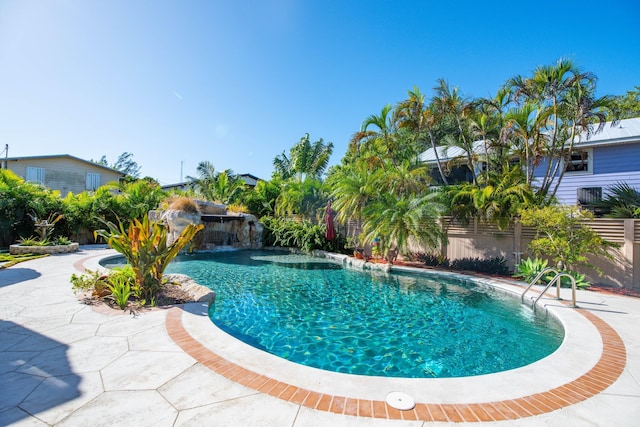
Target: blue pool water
313,312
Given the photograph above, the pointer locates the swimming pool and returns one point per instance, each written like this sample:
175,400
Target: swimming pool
313,312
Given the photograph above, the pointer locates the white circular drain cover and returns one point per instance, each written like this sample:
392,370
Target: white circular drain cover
401,401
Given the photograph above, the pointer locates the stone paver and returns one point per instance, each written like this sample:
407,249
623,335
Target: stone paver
64,363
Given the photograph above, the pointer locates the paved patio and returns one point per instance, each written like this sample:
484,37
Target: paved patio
64,363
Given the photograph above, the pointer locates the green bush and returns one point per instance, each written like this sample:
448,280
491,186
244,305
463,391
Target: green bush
299,234
116,286
19,199
432,260
496,265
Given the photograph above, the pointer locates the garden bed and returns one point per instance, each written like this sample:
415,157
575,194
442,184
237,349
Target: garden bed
54,249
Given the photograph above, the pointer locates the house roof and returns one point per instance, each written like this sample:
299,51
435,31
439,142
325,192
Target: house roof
60,156
179,185
448,153
248,175
624,132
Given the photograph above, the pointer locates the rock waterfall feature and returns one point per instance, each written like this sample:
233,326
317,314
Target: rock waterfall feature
221,227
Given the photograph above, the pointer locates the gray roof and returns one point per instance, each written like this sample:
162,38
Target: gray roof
627,130
445,154
624,132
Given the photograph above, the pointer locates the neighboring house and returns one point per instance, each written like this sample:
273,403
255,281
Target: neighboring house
62,172
606,158
453,161
250,181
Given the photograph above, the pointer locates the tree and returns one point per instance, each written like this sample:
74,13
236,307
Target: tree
563,236
124,164
224,187
420,118
399,221
380,143
498,201
353,187
205,181
450,105
627,106
306,159
566,109
523,126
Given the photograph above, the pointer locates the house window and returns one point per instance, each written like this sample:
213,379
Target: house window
93,181
580,161
589,195
35,175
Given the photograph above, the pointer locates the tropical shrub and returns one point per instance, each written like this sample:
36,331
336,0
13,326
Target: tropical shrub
433,260
120,282
529,268
115,286
623,201
496,265
18,199
562,235
565,282
92,281
144,245
298,234
261,201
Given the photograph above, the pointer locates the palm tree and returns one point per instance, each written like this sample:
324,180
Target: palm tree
224,187
227,187
306,159
523,125
402,221
583,113
381,142
449,104
548,87
499,201
415,114
353,187
204,183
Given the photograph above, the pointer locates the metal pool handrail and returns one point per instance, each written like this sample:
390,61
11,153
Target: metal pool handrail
558,276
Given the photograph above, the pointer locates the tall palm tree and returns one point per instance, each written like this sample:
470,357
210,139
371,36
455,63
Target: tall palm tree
524,127
584,113
449,104
415,114
548,86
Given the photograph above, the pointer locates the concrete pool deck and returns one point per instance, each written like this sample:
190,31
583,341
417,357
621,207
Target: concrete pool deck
64,363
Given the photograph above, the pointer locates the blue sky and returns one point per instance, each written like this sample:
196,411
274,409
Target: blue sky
239,82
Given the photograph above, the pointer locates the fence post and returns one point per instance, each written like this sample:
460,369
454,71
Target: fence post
444,242
627,252
517,241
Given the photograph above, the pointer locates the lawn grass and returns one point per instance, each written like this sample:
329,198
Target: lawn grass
7,260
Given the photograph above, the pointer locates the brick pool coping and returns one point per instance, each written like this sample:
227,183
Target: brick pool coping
604,373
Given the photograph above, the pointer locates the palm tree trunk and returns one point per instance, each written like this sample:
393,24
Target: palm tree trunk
435,151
